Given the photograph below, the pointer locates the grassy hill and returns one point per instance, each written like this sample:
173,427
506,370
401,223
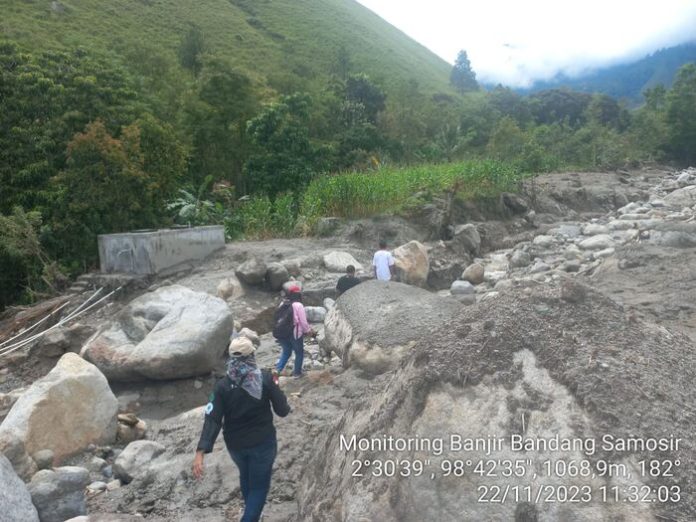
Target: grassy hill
286,44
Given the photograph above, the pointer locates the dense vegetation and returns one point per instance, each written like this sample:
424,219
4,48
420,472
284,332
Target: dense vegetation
264,116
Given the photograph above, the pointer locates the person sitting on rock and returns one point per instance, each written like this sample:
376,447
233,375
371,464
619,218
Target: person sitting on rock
347,281
241,405
383,263
293,339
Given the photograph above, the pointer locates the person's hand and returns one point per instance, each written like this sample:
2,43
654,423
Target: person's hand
198,465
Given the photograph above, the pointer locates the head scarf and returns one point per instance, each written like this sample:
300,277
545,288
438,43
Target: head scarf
244,372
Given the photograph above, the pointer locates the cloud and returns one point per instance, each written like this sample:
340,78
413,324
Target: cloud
515,42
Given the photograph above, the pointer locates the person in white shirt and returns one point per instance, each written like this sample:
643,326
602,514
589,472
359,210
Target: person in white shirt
383,263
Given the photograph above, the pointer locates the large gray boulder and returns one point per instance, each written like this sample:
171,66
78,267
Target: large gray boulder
466,240
15,500
170,333
276,275
65,411
59,494
412,263
252,272
683,197
442,273
377,323
133,460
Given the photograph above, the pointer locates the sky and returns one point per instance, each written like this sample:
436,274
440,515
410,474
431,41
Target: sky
515,42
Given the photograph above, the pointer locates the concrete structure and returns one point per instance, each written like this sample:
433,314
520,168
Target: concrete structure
152,252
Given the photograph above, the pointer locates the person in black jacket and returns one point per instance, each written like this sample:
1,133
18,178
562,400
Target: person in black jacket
241,405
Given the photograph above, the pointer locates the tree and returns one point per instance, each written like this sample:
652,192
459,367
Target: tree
104,189
191,49
364,100
462,76
217,119
681,114
285,159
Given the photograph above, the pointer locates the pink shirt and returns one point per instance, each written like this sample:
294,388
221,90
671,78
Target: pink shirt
300,320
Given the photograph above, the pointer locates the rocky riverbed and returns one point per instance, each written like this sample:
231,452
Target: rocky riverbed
565,310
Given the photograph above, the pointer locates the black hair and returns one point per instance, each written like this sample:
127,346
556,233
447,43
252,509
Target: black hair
295,296
350,269
382,243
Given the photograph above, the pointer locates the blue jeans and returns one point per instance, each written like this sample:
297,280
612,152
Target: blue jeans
255,466
289,346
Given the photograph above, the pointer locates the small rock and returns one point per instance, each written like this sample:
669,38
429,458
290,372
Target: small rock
112,485
197,384
462,288
59,494
503,284
684,179
572,291
96,464
135,458
293,266
96,487
229,288
466,240
44,459
108,471
128,419
251,335
329,303
474,274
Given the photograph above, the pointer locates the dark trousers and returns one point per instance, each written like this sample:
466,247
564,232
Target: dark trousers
289,346
255,466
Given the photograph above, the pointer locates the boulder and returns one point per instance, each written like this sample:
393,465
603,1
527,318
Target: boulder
412,263
367,331
570,231
674,235
442,273
276,275
515,203
680,198
598,242
466,240
474,274
329,303
15,500
171,333
59,494
252,272
230,288
338,261
462,288
315,314
133,461
65,411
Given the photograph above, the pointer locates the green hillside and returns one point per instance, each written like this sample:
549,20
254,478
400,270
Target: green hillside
288,44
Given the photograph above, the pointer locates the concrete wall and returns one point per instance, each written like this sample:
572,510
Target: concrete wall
155,251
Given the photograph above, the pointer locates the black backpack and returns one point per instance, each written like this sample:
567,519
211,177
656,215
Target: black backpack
283,321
